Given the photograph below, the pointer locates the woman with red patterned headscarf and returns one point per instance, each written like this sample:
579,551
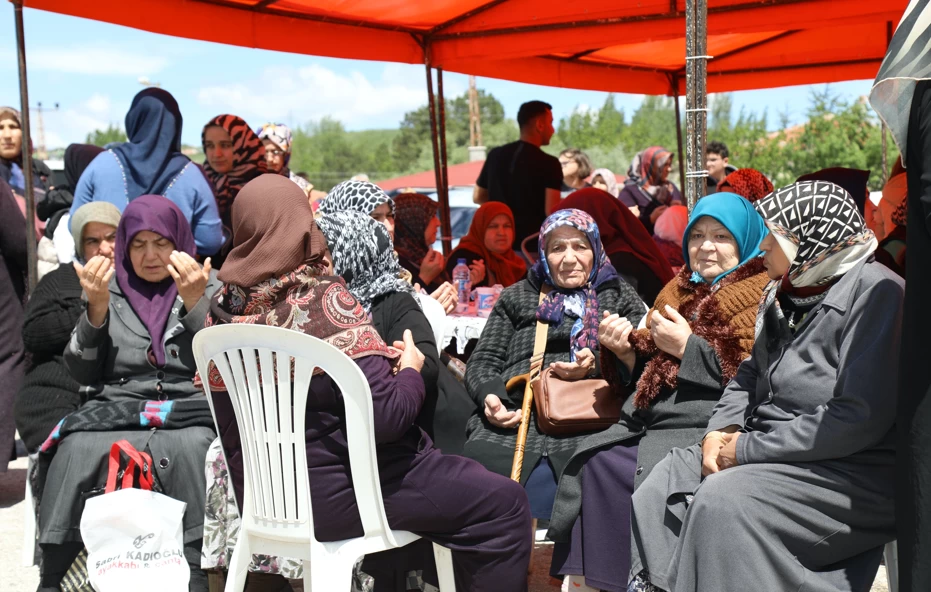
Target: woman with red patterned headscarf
648,190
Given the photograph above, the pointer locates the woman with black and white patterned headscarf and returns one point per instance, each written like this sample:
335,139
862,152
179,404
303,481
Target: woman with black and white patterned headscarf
363,197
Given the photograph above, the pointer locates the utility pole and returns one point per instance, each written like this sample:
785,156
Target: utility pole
41,152
476,146
475,117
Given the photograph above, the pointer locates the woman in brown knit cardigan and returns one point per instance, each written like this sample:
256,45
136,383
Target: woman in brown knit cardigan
699,330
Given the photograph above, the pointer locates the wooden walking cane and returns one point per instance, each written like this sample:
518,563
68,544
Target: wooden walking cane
536,367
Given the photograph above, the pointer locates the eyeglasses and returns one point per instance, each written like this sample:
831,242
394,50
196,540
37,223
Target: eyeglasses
274,152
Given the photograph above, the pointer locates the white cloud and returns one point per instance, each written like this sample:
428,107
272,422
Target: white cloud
98,104
311,92
90,60
73,124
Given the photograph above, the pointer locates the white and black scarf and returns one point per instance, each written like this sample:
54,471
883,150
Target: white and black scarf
355,196
362,255
820,230
907,61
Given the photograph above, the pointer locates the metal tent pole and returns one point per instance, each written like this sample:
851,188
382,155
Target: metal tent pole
680,154
696,111
882,124
431,104
443,193
31,256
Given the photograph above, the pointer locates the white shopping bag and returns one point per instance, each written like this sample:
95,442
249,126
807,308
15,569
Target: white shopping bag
135,542
134,537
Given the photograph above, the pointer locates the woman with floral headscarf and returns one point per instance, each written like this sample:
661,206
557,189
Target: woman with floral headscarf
276,137
796,473
580,287
699,330
235,156
648,190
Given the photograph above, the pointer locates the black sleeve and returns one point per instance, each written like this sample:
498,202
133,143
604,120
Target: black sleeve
488,360
400,311
553,173
469,256
482,180
53,312
13,234
923,143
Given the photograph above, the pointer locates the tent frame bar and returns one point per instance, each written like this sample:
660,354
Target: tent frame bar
439,172
31,246
607,21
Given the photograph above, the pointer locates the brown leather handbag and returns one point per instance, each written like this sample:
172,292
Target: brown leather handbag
570,406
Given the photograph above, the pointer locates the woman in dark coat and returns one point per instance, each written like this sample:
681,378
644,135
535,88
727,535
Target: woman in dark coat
13,237
361,252
49,391
792,486
582,285
58,200
276,275
131,349
901,96
628,245
11,154
699,331
415,230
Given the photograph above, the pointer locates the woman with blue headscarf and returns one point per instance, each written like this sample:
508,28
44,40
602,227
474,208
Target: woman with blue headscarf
580,287
699,330
151,163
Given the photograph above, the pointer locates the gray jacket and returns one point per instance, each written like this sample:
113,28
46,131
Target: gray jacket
829,392
111,361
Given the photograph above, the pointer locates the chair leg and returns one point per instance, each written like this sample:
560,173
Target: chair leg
334,573
239,564
29,521
533,543
444,568
891,555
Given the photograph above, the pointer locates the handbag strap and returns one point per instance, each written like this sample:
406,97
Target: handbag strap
137,459
539,341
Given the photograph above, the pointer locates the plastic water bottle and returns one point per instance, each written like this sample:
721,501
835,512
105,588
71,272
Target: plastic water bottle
463,281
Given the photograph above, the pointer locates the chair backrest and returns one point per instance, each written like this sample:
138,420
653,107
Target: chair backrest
528,247
436,314
270,416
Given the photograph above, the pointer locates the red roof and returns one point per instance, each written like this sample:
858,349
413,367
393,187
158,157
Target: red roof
459,174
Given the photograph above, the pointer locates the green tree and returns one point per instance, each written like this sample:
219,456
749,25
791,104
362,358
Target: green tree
113,133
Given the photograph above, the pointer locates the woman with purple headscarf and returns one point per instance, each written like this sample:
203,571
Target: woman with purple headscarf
131,352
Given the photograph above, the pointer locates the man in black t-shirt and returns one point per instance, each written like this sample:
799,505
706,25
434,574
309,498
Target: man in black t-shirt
521,175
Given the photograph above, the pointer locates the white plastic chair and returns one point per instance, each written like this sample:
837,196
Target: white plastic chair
891,556
436,314
277,517
29,520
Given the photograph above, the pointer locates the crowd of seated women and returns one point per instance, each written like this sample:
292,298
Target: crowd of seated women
753,445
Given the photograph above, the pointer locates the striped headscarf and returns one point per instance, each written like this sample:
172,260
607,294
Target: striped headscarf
646,170
248,161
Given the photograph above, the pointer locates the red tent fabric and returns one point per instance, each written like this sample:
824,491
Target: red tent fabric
633,46
463,174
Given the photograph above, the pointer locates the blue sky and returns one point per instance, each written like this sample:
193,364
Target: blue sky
92,70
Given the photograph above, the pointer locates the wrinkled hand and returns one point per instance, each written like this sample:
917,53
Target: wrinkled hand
581,368
411,356
477,271
655,214
498,415
670,335
614,333
448,296
431,266
189,276
95,281
727,457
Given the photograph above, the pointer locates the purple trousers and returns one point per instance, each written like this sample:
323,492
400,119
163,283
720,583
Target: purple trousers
600,545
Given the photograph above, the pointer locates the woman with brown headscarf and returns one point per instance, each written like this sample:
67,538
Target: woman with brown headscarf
276,274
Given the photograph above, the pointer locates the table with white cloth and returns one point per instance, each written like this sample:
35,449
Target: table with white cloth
463,327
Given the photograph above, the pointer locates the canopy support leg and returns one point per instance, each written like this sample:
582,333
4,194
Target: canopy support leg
680,154
442,193
31,247
437,171
696,111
